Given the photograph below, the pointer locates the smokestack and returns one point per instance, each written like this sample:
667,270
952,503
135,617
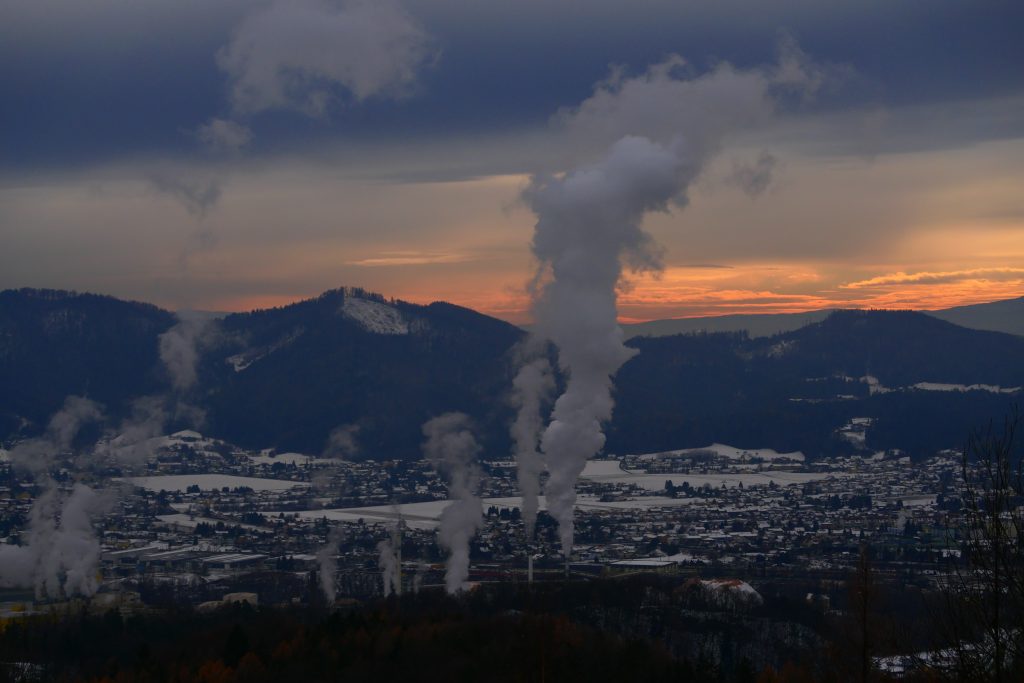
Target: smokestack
452,449
529,567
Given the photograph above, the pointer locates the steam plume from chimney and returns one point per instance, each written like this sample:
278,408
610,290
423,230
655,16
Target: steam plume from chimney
452,449
62,553
531,389
589,226
588,222
387,560
179,352
327,561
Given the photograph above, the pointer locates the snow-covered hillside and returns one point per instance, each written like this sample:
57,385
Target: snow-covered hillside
375,316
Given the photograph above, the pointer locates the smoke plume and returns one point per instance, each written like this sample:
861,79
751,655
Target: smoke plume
452,449
133,445
327,559
62,553
390,556
417,578
666,126
37,455
390,565
179,352
342,442
531,389
67,554
180,349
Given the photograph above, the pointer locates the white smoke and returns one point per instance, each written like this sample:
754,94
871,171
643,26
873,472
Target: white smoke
37,455
134,444
452,449
327,559
67,553
588,223
387,560
342,442
180,351
417,579
589,226
62,553
531,389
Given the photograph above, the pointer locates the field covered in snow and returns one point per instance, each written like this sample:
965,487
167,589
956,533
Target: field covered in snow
208,482
427,515
601,471
992,388
290,459
730,453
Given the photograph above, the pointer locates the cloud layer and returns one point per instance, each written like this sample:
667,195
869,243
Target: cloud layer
309,55
272,150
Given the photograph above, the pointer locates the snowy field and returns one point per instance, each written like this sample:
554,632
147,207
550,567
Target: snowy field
207,482
603,468
290,459
185,521
427,515
937,386
730,453
600,471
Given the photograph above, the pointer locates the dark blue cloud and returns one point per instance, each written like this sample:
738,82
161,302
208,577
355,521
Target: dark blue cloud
118,86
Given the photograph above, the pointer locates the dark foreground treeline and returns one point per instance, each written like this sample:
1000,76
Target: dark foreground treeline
268,645
647,628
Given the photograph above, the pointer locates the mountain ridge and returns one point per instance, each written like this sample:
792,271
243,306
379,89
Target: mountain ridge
1006,315
377,368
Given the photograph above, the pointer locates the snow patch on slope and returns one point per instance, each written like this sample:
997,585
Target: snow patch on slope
240,361
374,316
730,591
938,386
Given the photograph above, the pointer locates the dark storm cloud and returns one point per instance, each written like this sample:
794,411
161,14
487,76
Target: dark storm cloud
86,82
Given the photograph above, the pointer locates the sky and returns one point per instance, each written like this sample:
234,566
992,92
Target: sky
244,154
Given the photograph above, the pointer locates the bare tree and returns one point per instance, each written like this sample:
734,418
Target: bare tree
863,594
984,598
